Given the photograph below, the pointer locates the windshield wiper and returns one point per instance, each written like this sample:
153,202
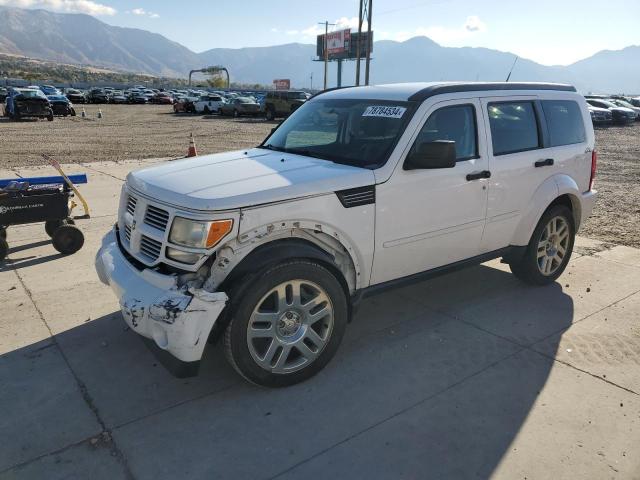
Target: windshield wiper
272,147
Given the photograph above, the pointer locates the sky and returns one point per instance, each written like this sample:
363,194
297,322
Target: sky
550,32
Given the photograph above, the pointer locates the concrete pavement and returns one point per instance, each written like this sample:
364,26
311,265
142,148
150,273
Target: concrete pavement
471,375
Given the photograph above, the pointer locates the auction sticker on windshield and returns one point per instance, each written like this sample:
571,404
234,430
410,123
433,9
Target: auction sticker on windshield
384,111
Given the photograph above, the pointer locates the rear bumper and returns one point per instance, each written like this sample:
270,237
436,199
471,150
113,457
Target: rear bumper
176,322
587,202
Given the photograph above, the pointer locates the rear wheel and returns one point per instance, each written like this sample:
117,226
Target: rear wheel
206,110
68,239
549,249
4,249
50,116
50,226
270,113
287,323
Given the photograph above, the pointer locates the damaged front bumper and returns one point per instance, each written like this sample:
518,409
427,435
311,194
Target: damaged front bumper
176,323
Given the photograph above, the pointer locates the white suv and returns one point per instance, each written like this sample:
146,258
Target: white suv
208,104
359,190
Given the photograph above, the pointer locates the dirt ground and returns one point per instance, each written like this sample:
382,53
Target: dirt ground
136,132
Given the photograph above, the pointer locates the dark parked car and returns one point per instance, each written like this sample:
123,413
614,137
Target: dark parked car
600,116
137,97
98,95
3,94
240,106
623,103
184,105
61,106
49,90
621,115
27,103
117,96
281,103
162,98
75,96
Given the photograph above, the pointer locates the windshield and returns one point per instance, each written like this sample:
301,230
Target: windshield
31,94
356,132
622,103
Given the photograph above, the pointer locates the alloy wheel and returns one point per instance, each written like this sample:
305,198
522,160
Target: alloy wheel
290,326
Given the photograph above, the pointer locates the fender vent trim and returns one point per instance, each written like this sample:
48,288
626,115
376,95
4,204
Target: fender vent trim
356,197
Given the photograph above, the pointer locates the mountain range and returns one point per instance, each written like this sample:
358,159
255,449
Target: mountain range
82,39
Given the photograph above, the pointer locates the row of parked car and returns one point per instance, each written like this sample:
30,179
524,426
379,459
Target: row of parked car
36,102
272,104
615,109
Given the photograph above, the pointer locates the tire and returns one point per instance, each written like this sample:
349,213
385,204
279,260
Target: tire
544,261
73,112
4,249
236,113
293,349
50,117
68,239
206,110
270,114
3,233
50,226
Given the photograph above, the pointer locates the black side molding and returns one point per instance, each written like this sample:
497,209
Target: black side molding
356,197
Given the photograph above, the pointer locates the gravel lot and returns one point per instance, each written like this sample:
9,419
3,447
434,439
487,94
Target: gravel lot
137,132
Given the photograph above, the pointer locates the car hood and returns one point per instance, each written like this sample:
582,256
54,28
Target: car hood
239,179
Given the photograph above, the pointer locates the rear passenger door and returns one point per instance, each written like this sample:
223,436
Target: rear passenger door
522,155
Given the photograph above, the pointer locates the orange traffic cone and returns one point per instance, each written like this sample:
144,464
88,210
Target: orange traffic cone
192,152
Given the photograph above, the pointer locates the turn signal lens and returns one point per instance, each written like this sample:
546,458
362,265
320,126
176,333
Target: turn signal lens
217,231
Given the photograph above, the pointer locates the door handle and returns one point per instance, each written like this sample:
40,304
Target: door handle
547,162
478,175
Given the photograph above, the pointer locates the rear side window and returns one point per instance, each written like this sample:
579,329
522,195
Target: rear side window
514,127
564,121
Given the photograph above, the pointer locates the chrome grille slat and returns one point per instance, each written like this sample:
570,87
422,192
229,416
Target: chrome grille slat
156,217
131,204
150,248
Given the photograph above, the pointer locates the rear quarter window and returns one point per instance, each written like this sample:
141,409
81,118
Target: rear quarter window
564,122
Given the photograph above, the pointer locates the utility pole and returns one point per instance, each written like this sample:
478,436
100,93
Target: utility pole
326,52
369,41
358,44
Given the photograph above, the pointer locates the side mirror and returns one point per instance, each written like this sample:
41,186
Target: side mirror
427,155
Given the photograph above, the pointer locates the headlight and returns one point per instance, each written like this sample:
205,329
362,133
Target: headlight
195,234
183,257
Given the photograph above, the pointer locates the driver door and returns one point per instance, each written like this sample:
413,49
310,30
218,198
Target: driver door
429,218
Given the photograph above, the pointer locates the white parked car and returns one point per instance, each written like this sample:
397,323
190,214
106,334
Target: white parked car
359,190
208,104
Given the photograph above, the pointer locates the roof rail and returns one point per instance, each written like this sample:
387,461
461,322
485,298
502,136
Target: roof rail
433,90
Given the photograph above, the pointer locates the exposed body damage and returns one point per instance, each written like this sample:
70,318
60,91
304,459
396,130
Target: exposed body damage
177,317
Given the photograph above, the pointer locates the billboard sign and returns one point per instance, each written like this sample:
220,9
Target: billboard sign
282,84
344,45
338,42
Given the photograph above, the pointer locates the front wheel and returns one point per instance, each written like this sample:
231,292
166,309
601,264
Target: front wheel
287,323
68,239
549,250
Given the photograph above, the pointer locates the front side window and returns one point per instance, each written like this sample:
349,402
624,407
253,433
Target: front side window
564,121
514,127
456,123
356,132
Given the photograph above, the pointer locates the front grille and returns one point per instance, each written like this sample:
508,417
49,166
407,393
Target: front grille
131,204
355,197
127,233
150,248
156,217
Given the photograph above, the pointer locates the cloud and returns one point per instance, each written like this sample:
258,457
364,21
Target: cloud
443,35
143,12
474,24
66,6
